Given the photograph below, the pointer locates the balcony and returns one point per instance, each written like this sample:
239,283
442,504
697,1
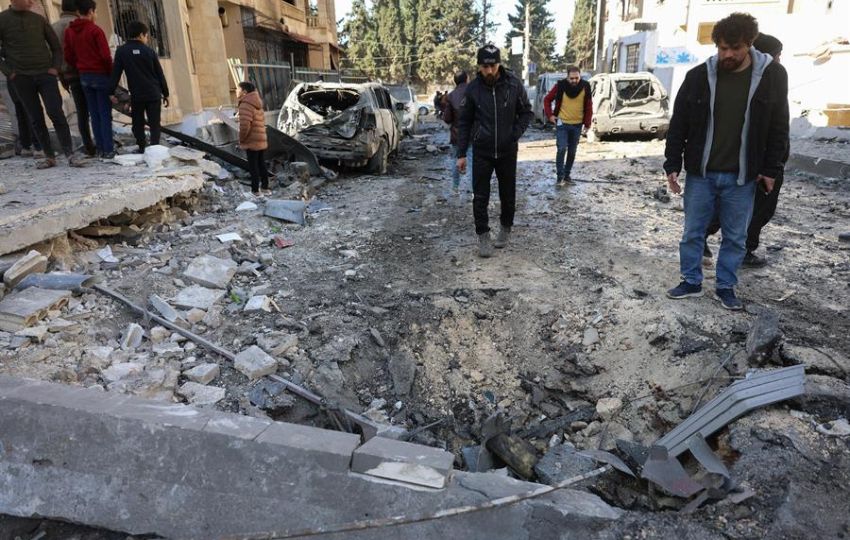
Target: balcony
317,22
291,12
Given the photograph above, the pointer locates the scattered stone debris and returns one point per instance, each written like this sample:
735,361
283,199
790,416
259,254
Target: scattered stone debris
201,394
210,271
30,263
764,336
203,373
255,363
24,308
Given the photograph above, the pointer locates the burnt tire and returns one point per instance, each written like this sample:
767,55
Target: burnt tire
378,162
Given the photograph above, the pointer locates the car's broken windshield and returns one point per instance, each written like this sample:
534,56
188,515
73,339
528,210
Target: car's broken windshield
326,101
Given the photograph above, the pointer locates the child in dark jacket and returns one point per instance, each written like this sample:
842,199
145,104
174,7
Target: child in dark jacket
87,51
146,81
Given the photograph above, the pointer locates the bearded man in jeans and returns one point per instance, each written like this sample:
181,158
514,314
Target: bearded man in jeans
730,121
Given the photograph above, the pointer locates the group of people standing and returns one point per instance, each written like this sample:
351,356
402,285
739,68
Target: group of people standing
729,131
36,57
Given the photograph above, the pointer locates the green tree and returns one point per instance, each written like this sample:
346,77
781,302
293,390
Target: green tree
360,39
542,38
394,65
448,37
581,39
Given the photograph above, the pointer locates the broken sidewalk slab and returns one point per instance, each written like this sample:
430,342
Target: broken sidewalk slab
57,281
198,297
24,308
665,471
211,271
291,211
184,153
404,462
32,262
759,389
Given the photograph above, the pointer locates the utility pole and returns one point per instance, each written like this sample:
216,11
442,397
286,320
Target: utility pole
600,4
526,50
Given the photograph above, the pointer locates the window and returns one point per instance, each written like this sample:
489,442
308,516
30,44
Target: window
384,100
633,89
248,17
632,58
147,11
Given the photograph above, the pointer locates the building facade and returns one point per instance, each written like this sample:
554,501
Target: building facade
195,39
668,37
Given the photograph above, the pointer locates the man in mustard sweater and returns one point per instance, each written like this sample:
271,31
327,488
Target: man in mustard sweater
573,109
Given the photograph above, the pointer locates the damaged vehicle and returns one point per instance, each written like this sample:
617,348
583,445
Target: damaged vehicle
407,109
628,103
348,124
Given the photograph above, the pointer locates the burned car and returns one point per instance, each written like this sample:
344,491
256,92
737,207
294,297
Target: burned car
350,124
628,103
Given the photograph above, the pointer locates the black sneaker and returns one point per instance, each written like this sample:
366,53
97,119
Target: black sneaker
751,260
685,290
567,179
728,299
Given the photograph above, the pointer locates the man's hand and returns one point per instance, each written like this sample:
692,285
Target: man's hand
114,100
165,102
673,183
53,71
767,182
461,165
553,119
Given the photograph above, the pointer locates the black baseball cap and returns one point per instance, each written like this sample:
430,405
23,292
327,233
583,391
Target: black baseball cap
488,55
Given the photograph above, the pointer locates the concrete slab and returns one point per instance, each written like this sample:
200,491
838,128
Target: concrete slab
209,271
402,461
175,471
42,204
198,297
32,262
23,308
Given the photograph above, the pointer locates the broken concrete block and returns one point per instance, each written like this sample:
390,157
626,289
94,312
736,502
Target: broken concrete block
277,344
229,237
402,368
184,153
132,337
158,334
562,462
300,171
259,303
24,308
199,394
403,461
195,315
210,168
97,357
291,211
32,262
168,313
167,348
606,408
123,370
246,206
203,374
129,160
36,332
211,271
198,297
155,155
255,363
591,337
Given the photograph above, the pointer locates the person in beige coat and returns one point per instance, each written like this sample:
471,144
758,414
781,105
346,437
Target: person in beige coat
252,135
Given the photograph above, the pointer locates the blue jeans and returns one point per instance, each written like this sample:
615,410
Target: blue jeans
567,137
455,171
96,89
720,192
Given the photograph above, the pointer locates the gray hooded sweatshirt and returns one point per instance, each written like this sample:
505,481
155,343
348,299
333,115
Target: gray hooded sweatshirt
760,62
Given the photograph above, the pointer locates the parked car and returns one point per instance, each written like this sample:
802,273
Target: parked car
352,124
409,115
628,103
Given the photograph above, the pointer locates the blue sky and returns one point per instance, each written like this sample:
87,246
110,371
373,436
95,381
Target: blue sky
561,9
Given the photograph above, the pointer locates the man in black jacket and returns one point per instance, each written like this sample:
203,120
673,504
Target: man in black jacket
146,82
730,121
494,114
451,116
